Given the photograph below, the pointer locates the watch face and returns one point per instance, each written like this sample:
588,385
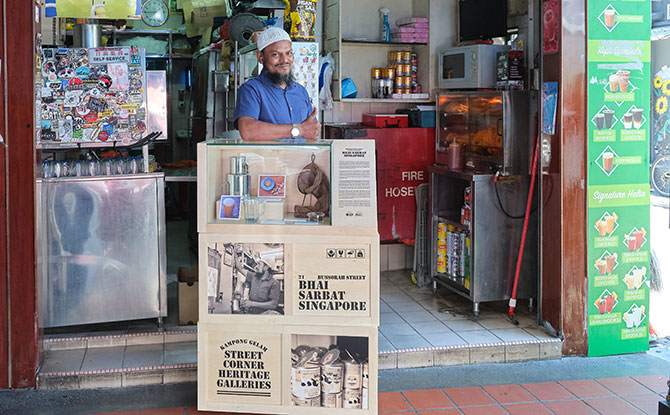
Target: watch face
154,12
295,132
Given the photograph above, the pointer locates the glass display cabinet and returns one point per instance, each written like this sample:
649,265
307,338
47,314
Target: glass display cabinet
492,127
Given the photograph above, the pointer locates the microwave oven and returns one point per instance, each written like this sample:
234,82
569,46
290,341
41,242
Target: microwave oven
472,66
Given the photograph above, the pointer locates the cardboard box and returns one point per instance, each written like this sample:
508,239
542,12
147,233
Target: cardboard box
187,294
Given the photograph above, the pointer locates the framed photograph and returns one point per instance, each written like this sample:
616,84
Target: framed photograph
271,185
230,207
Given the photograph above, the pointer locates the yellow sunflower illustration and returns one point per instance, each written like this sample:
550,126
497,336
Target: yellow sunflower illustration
661,105
658,82
666,87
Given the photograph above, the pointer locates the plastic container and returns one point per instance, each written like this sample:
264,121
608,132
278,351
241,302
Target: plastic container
455,156
385,29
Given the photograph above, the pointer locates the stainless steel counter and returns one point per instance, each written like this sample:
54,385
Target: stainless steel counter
101,249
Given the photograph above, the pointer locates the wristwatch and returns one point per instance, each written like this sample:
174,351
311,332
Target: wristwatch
295,131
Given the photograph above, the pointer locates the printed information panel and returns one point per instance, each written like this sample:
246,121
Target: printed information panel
289,283
287,369
619,122
243,367
332,279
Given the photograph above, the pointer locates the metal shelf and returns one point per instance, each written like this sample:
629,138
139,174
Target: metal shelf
377,43
388,100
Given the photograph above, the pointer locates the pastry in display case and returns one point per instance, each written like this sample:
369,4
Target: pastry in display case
491,128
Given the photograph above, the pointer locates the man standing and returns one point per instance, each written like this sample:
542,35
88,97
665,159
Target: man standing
264,289
272,105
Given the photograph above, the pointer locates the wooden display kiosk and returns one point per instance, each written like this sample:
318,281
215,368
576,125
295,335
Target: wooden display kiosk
289,277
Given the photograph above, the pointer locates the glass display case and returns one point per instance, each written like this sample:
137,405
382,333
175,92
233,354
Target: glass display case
493,128
268,183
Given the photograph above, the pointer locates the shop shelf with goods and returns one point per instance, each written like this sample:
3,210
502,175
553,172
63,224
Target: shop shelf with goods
476,207
352,35
267,222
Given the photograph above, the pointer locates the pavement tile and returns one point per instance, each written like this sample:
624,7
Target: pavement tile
548,391
469,396
483,410
428,399
509,394
586,388
646,403
624,386
570,408
535,408
164,411
657,383
612,406
450,411
119,413
392,402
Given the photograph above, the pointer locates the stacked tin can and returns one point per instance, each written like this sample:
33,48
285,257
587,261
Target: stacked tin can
400,61
441,247
365,387
414,62
306,377
353,383
332,376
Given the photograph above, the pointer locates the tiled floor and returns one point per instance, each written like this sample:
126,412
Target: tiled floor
606,396
121,357
413,317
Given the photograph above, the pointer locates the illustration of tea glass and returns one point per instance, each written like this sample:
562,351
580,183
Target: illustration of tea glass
609,18
600,121
628,120
609,118
637,118
614,83
623,80
608,161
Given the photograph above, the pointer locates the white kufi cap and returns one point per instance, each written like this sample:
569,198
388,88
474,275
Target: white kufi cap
271,35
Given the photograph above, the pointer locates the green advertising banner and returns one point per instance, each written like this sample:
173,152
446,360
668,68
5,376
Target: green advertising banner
619,118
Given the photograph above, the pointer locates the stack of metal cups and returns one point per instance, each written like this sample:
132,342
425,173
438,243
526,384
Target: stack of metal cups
238,179
332,375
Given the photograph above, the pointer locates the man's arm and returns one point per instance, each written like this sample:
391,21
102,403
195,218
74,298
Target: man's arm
253,130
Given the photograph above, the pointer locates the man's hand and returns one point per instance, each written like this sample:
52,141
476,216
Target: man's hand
310,128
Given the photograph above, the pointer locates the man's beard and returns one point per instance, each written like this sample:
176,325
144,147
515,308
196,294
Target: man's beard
281,79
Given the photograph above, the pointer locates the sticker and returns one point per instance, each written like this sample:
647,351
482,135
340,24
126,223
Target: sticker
91,117
108,128
96,105
45,92
71,98
119,76
109,55
65,130
135,97
105,82
88,134
103,136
